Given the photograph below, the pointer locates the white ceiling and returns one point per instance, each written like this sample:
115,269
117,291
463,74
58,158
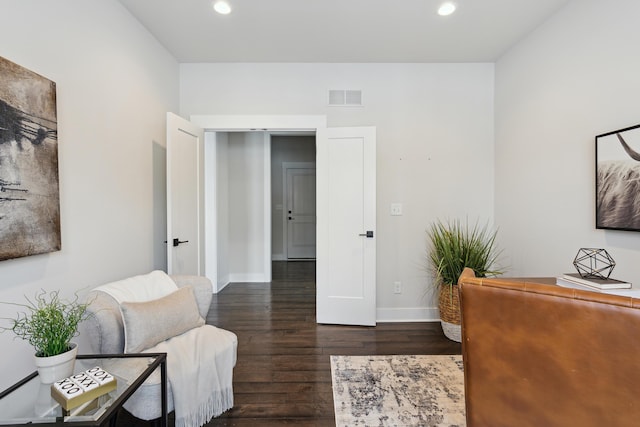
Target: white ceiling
340,30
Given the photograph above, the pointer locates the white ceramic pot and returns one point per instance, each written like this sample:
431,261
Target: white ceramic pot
54,368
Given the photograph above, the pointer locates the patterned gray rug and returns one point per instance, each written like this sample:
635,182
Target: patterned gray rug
421,391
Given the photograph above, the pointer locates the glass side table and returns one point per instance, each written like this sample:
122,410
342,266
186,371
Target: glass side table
30,402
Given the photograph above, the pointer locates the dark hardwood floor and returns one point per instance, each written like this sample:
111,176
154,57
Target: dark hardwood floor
283,373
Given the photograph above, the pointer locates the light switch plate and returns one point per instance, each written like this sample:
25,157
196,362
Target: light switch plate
396,209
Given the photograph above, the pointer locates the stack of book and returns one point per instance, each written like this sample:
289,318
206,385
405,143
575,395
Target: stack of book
83,387
574,280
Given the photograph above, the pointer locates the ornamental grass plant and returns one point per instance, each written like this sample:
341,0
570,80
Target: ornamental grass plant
456,245
48,322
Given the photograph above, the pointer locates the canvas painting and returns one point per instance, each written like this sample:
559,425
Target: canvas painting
29,190
618,179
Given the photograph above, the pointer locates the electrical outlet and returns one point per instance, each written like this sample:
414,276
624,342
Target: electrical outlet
397,287
396,209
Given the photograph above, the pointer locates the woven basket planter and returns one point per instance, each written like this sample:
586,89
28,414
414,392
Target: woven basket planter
449,307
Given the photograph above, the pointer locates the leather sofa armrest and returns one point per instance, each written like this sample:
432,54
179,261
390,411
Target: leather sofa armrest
202,289
466,273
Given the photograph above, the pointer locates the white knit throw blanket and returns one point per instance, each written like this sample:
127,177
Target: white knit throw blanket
202,387
145,287
200,368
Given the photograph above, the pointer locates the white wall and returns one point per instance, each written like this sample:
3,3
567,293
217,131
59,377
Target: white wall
114,86
434,141
222,187
246,206
574,78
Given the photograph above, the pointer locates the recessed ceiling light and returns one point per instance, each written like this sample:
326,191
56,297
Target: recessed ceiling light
447,8
222,7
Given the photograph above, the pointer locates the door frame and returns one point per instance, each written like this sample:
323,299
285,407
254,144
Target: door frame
285,222
249,123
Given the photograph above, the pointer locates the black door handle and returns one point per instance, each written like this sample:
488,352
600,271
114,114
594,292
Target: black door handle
177,242
368,234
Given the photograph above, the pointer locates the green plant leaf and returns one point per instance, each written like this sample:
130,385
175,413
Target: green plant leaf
454,246
48,322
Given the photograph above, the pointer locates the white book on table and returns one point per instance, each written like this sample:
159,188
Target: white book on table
634,293
595,282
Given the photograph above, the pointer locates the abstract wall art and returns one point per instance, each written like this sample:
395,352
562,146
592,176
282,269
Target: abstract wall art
618,179
29,190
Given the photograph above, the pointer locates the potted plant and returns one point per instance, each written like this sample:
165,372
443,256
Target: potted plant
49,323
454,246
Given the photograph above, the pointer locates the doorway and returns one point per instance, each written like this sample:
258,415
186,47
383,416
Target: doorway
346,248
219,198
293,197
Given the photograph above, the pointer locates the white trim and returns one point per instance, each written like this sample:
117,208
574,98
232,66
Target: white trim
247,277
259,122
211,212
408,314
222,285
223,282
267,206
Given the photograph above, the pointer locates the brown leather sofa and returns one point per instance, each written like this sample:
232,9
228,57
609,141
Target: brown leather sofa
543,355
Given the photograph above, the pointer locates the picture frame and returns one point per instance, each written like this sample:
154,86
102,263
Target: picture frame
618,179
29,183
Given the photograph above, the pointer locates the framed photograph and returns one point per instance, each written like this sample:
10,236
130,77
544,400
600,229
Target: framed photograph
618,179
29,195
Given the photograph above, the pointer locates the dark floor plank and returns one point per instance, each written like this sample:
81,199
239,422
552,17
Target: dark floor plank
283,373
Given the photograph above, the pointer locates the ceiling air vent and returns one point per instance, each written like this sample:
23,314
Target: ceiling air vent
345,98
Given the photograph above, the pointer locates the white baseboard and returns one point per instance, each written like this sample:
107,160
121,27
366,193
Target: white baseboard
222,285
247,277
412,314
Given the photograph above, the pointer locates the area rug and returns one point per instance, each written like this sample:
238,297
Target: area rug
424,391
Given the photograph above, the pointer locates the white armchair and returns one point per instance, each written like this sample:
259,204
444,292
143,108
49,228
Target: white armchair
160,313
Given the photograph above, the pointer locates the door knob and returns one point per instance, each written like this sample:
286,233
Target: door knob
177,242
368,234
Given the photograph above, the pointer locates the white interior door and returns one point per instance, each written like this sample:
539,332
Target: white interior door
185,197
301,212
346,226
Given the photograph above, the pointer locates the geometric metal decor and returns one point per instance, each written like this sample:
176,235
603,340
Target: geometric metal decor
593,263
